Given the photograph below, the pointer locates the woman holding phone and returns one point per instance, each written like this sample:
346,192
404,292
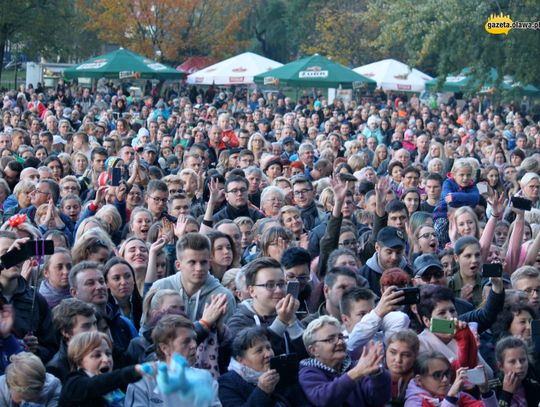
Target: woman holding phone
443,332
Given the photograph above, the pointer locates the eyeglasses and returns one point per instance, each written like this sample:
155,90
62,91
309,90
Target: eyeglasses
302,192
158,200
37,191
333,339
351,242
272,285
529,291
429,235
238,191
439,374
304,278
429,276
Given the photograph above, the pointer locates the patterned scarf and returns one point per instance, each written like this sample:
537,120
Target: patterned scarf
248,374
312,362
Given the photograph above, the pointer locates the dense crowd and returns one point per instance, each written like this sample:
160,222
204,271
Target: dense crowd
305,253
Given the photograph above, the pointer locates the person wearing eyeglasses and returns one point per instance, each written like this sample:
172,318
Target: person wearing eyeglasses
297,262
435,384
304,197
156,197
269,307
236,195
331,378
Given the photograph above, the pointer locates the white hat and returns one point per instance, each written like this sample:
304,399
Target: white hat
143,132
58,140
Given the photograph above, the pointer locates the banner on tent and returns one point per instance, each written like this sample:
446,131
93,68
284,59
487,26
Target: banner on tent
270,80
313,72
236,79
98,63
128,74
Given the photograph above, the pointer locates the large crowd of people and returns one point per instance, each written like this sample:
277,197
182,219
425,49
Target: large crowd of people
303,252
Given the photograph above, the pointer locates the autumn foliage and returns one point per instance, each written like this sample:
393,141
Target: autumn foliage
168,29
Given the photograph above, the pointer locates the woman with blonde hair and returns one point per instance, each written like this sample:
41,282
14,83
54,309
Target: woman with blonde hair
381,155
356,162
92,377
291,219
91,223
135,252
26,381
352,147
112,221
257,145
80,161
94,245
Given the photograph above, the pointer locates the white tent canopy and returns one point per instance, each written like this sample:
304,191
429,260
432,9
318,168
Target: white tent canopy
237,70
394,75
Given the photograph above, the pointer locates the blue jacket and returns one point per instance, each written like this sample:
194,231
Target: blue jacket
468,196
324,387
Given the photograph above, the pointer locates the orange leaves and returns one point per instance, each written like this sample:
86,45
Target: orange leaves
171,29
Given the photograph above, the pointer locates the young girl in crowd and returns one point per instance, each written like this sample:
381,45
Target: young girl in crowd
518,387
435,384
458,190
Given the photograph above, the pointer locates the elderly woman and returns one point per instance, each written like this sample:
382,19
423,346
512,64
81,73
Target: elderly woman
331,378
272,200
530,188
250,381
22,192
433,383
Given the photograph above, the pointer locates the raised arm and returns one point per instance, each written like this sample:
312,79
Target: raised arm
514,244
532,252
497,202
329,242
215,194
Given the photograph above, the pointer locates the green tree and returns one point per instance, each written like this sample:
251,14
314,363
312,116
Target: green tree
48,28
445,36
278,28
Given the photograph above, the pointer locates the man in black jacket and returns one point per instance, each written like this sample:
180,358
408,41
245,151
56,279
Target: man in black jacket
236,194
304,196
33,324
70,318
87,284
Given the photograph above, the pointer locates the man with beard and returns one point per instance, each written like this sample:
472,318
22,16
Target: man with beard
389,253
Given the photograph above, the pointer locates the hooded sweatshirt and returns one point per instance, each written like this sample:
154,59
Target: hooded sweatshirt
246,316
372,271
194,305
